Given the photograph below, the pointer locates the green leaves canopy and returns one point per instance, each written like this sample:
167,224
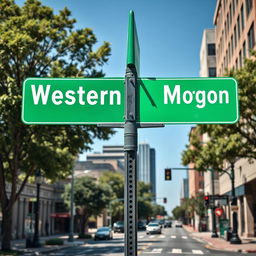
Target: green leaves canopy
36,42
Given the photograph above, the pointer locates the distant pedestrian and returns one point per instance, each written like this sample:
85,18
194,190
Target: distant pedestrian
46,226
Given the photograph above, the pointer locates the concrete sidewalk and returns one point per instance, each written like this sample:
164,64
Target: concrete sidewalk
20,245
248,244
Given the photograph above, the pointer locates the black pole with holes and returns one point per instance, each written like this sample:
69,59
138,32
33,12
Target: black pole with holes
130,148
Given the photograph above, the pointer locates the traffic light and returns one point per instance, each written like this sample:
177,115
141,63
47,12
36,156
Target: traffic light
168,174
206,201
165,200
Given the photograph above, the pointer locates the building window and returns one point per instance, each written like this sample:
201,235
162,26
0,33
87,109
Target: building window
232,45
242,17
248,7
228,24
236,64
234,6
212,72
244,50
229,53
235,36
201,184
230,15
238,27
240,59
211,49
251,39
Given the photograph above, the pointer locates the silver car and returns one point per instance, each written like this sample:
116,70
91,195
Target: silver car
154,228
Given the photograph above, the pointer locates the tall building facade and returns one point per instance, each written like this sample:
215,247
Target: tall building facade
147,165
235,32
235,22
208,54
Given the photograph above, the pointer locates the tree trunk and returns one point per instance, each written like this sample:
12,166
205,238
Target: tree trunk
7,229
84,224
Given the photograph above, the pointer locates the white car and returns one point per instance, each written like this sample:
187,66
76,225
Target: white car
153,228
178,224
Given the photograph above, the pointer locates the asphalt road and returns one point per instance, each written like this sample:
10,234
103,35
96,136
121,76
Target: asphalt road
172,241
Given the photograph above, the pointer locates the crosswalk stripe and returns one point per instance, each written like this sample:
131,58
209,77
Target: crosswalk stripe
197,252
141,236
151,236
176,251
156,250
173,236
162,236
184,237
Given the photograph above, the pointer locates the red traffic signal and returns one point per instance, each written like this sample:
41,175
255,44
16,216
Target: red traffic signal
218,212
206,201
168,174
165,200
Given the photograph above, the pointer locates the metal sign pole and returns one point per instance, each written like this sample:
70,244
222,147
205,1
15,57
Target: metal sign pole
130,148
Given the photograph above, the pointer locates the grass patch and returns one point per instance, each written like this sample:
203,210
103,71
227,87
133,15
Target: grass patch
54,241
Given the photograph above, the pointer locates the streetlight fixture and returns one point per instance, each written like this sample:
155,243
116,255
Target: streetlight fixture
38,180
234,237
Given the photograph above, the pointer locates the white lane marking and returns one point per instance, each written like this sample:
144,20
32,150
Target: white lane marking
151,236
176,251
197,252
162,236
156,250
173,236
184,237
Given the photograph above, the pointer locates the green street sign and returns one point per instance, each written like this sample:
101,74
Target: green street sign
73,101
188,100
95,101
133,49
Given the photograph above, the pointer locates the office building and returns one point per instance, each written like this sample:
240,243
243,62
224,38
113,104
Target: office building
147,166
235,33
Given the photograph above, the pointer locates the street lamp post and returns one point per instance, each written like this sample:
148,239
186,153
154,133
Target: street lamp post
214,231
234,238
38,179
71,224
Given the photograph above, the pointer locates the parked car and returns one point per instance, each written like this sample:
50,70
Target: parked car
178,224
103,233
153,228
168,223
118,227
141,225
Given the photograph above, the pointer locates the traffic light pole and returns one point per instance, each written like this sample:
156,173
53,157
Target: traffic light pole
214,230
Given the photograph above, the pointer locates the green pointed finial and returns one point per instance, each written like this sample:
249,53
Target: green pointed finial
133,50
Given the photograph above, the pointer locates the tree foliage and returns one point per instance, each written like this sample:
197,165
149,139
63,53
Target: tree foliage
116,183
90,199
36,42
230,141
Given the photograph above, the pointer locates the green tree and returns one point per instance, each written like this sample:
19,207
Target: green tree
178,212
36,42
230,141
116,183
90,199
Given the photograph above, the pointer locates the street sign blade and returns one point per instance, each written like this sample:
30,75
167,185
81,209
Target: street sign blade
133,49
73,101
188,100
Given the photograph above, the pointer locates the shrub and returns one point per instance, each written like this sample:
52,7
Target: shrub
84,236
54,241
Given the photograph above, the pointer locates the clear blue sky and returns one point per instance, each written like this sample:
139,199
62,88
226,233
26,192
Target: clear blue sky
170,34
